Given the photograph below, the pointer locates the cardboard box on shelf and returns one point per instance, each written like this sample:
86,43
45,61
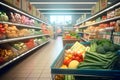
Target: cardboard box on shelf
103,4
34,10
97,7
17,3
9,1
37,13
41,16
29,8
24,5
93,10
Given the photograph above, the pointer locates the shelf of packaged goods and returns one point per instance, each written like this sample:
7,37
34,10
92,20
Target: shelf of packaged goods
106,29
19,11
111,19
21,38
116,33
21,25
101,12
14,59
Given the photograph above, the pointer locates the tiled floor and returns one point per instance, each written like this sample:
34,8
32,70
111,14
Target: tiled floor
37,65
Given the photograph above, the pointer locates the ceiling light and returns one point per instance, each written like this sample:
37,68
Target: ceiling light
63,2
64,9
65,13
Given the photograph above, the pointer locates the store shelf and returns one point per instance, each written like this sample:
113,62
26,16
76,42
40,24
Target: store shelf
19,11
21,38
101,12
106,29
14,59
84,39
114,18
116,33
21,25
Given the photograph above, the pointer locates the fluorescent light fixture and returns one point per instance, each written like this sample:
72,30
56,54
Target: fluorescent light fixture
63,2
64,9
65,13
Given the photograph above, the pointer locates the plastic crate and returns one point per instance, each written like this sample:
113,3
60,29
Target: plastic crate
90,74
70,41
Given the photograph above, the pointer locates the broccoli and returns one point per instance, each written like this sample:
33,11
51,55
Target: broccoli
106,47
112,48
100,49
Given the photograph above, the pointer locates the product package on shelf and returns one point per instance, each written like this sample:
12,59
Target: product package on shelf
17,3
117,39
24,5
117,26
103,4
117,11
29,8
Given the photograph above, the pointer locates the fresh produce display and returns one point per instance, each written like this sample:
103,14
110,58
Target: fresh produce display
14,49
11,31
3,16
17,18
2,31
29,43
74,55
19,46
102,55
71,35
24,32
72,58
98,54
6,53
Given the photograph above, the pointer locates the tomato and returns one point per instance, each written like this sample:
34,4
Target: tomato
73,58
66,62
2,30
76,55
77,58
1,26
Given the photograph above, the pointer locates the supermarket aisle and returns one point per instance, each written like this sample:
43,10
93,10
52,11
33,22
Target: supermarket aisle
37,65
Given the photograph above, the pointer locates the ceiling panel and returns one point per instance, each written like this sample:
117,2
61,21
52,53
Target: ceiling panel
63,0
63,6
53,6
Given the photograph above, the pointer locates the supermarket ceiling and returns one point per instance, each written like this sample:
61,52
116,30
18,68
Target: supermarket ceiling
64,6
